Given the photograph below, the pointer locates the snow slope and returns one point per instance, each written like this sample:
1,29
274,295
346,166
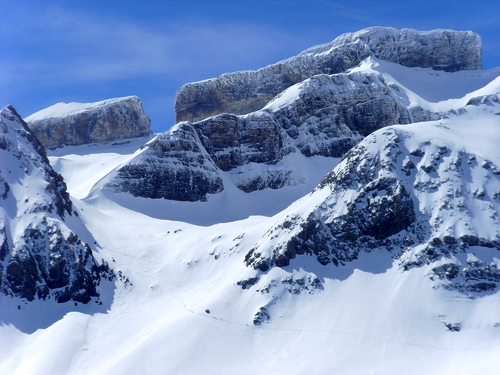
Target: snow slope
67,109
192,306
45,250
436,90
369,317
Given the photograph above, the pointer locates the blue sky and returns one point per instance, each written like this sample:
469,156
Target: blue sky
87,51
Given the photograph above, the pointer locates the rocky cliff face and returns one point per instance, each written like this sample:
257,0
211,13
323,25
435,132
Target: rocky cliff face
325,115
174,166
40,255
328,114
426,193
78,123
248,91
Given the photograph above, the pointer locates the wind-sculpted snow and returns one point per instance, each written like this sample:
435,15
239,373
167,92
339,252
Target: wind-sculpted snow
427,193
83,123
41,256
248,91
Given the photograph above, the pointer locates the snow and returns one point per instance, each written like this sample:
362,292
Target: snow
182,258
67,109
83,166
436,90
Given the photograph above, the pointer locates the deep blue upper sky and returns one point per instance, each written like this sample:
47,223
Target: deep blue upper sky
87,51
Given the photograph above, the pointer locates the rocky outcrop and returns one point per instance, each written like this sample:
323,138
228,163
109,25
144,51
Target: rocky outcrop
244,92
40,255
405,190
174,166
325,115
233,140
83,123
328,114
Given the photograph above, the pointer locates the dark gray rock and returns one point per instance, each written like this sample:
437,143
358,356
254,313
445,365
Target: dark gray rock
261,316
76,123
244,92
40,256
328,114
475,276
383,195
486,99
173,166
325,115
232,140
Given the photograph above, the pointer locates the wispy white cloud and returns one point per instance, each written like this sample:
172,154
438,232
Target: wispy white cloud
58,46
55,54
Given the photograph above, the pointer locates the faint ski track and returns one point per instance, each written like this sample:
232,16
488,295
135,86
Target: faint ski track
205,315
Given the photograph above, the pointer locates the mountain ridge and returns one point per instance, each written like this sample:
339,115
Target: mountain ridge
84,123
243,92
41,256
391,251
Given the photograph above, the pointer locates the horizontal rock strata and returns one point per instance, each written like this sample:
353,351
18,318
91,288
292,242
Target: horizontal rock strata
247,91
76,123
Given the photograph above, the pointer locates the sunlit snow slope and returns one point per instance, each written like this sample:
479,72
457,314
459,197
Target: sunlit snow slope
196,302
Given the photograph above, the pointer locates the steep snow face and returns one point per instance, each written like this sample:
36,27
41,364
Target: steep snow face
83,123
248,91
427,193
41,253
436,91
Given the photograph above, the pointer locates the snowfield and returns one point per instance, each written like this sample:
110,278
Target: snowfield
180,306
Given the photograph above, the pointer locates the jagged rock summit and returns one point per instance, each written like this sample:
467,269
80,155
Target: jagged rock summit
41,253
82,123
244,92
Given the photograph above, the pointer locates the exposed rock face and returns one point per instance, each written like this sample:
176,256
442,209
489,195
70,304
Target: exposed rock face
78,123
325,115
174,166
233,140
400,192
244,92
40,256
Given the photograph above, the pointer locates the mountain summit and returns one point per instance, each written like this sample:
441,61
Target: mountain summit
244,92
83,123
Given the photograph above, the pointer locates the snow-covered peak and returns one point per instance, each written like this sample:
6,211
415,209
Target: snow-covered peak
42,255
67,109
424,192
85,123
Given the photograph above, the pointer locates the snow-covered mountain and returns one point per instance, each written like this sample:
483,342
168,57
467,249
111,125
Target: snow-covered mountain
322,116
66,124
42,254
417,191
383,261
248,91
